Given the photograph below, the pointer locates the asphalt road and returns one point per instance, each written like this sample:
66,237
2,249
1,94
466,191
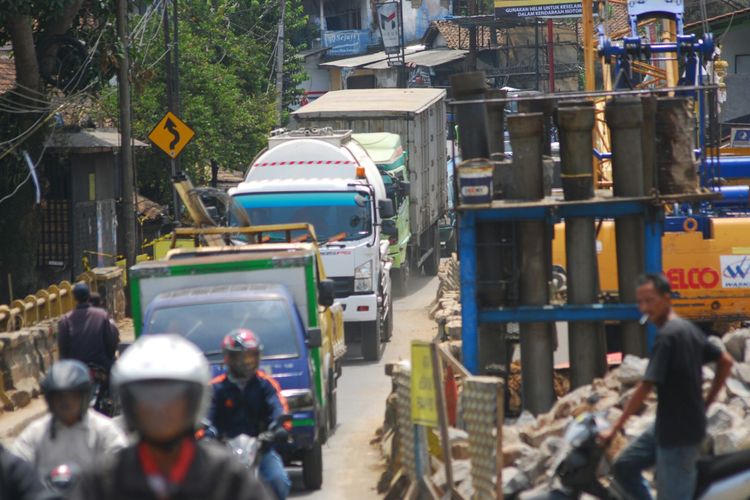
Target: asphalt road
351,465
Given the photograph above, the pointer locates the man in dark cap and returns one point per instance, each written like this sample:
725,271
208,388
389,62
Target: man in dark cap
86,334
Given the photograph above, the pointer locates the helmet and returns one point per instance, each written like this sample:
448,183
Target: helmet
241,340
68,375
81,292
162,358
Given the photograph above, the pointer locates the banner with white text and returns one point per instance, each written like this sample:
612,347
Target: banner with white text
536,8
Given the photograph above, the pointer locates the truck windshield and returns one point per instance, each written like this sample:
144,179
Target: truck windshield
343,216
206,324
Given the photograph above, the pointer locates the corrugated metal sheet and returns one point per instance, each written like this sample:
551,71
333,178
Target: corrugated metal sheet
356,62
428,58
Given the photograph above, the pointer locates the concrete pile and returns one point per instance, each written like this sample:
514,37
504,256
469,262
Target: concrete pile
530,443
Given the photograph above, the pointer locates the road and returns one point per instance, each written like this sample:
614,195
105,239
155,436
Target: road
352,466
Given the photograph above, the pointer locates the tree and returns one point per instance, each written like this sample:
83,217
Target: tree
25,115
226,73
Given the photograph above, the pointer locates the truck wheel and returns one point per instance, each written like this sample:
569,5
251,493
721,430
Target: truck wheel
432,264
332,406
371,346
401,279
312,467
388,326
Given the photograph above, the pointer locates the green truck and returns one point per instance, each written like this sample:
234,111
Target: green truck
280,292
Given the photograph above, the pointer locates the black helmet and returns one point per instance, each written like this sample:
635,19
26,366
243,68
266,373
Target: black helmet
81,292
68,375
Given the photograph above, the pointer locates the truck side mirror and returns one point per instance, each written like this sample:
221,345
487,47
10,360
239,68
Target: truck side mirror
314,337
326,293
405,187
389,228
386,209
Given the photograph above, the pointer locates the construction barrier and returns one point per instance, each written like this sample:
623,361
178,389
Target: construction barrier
442,439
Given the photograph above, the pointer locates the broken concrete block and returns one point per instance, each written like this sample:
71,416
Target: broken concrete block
536,437
631,370
513,452
731,440
514,481
735,343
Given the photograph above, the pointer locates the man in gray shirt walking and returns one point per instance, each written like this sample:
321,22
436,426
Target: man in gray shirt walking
676,369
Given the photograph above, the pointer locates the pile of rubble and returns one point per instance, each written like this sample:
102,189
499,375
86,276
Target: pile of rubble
530,444
446,310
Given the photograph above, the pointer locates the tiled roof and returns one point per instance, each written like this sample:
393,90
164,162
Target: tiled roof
457,37
7,71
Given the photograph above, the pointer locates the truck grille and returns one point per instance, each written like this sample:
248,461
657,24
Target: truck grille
343,287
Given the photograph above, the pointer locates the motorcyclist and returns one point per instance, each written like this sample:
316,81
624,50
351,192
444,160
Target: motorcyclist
246,400
163,384
71,432
86,333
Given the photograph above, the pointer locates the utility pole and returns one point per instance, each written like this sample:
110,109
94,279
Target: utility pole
172,91
126,151
280,65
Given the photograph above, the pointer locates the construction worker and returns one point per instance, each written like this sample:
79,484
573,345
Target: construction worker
86,334
673,443
163,383
248,401
71,432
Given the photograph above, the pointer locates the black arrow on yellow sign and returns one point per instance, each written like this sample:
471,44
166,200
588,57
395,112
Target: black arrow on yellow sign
172,129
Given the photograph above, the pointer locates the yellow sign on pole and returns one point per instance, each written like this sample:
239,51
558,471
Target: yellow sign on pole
424,408
171,135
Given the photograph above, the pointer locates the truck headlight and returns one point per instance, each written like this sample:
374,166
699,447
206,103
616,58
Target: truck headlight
363,277
299,399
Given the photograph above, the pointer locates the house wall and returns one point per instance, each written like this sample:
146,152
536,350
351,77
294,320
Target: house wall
419,13
318,79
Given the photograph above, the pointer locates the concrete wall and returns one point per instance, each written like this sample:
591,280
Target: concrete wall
736,43
733,44
24,357
738,97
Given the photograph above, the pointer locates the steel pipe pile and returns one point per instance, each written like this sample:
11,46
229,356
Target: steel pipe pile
587,345
625,117
537,344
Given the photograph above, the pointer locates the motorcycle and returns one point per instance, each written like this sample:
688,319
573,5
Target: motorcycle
101,397
722,477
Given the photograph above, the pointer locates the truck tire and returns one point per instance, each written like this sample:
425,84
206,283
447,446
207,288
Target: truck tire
388,324
332,405
312,467
432,264
401,278
371,336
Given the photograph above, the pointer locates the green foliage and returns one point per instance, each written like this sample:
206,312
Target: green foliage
227,84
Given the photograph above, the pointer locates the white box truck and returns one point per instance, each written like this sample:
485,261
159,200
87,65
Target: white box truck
418,117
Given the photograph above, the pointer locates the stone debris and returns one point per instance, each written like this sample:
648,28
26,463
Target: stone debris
531,444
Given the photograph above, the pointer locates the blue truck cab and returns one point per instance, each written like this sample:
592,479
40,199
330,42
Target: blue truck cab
204,315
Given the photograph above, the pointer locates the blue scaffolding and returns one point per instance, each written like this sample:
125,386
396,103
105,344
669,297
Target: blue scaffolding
552,211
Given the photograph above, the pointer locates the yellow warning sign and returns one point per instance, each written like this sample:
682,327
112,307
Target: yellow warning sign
171,135
423,396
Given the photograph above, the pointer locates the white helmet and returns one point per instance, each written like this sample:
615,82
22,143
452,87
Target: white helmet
163,357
